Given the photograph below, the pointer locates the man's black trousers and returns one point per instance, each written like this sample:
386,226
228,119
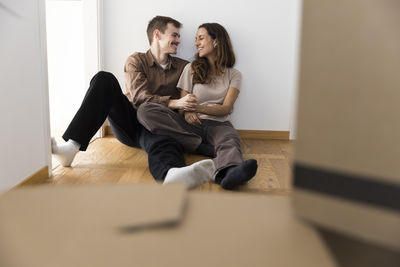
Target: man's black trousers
103,99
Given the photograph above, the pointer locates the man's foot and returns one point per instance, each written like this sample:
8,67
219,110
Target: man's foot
240,174
65,153
194,175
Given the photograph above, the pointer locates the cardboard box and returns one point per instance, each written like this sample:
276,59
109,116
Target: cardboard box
152,225
346,166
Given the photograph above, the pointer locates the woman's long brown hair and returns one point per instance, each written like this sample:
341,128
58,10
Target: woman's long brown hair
225,55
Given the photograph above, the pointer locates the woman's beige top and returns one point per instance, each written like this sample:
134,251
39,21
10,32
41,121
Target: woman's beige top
212,94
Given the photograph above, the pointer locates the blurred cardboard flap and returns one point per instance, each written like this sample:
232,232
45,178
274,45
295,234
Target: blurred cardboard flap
97,225
92,206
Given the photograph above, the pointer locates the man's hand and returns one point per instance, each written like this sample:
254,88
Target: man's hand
186,103
192,118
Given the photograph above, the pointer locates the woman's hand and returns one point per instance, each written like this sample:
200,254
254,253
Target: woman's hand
192,118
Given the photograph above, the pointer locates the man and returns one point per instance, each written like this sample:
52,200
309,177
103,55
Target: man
149,77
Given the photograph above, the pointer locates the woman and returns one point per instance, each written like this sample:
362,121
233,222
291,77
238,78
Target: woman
212,79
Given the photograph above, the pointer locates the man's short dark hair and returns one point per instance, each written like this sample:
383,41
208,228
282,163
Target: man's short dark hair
160,23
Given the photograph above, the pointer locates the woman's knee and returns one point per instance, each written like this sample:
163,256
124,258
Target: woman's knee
148,114
226,135
151,110
144,111
231,140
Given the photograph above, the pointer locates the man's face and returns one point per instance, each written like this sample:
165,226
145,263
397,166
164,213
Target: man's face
170,39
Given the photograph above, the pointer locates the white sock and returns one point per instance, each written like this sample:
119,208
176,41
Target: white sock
194,175
65,153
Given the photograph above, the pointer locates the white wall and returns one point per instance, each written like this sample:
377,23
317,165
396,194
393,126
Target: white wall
265,38
23,84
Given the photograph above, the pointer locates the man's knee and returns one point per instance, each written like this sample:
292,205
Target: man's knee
104,77
105,85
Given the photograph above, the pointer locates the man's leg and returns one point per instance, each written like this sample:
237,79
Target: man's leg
164,153
103,98
167,163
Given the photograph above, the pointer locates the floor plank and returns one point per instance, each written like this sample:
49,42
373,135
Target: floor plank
108,161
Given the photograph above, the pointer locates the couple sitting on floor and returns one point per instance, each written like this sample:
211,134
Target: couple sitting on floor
170,106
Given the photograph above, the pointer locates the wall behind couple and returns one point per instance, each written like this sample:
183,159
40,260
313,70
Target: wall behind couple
265,38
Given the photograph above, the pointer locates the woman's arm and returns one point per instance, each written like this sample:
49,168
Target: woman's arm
190,116
222,110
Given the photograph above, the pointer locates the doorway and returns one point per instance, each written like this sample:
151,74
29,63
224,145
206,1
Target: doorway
73,58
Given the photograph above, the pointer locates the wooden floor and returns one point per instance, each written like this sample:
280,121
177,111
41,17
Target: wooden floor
109,161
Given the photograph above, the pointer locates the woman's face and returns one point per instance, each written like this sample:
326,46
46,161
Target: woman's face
204,43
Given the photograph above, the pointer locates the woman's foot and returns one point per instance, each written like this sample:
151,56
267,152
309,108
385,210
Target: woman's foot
65,153
240,174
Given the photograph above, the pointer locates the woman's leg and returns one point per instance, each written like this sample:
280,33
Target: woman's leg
231,170
159,119
227,143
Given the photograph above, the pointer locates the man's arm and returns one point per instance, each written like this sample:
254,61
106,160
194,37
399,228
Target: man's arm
137,84
185,103
137,87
